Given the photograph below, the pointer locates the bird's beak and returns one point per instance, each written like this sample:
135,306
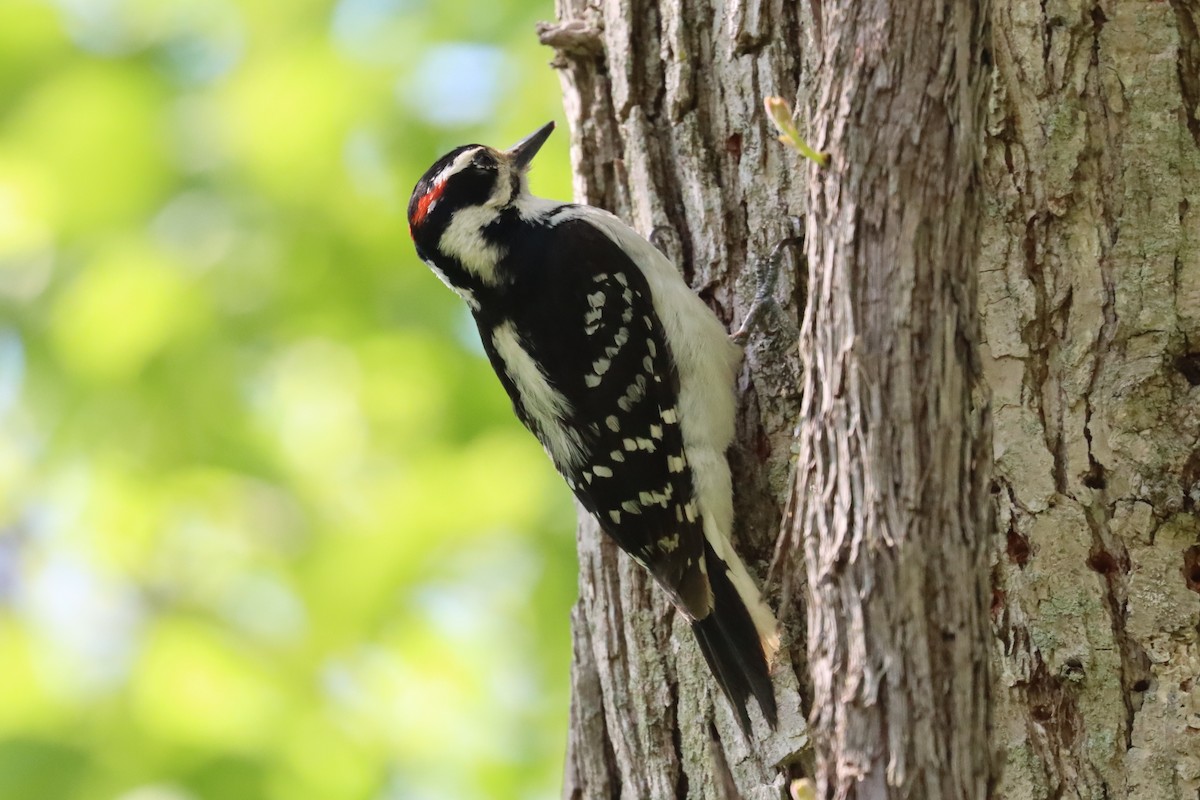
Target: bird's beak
523,151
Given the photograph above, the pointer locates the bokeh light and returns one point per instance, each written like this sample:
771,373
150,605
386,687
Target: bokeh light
268,528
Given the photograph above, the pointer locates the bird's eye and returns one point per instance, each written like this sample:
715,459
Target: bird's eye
484,160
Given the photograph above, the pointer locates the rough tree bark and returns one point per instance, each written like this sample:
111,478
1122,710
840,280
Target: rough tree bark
1090,301
894,458
1088,322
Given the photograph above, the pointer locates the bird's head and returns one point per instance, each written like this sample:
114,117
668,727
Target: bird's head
473,176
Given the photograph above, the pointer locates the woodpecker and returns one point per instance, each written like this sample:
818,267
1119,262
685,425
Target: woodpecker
623,374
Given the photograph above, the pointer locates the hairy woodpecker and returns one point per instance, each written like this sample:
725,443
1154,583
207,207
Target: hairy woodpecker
622,373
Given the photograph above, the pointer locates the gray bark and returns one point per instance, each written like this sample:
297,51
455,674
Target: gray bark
894,464
1090,302
1087,329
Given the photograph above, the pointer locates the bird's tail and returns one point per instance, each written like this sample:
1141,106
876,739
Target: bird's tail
738,637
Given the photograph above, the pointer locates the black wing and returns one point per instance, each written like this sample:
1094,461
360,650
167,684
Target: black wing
585,315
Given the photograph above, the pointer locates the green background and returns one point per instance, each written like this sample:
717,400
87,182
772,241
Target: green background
268,528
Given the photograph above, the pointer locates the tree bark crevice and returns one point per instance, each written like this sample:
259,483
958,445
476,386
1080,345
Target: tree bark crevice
894,464
1092,139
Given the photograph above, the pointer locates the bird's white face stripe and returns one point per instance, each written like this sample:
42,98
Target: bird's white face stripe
456,166
503,191
429,201
464,239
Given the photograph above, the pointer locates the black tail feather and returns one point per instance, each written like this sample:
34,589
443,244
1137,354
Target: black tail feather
731,646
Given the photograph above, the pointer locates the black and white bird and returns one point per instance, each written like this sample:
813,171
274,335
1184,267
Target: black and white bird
623,374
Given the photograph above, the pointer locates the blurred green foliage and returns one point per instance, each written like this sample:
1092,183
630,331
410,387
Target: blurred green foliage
268,528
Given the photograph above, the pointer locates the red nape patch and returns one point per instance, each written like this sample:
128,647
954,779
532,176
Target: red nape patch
425,204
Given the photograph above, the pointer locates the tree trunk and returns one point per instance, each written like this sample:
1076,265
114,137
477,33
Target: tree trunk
892,480
1081,232
1090,300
